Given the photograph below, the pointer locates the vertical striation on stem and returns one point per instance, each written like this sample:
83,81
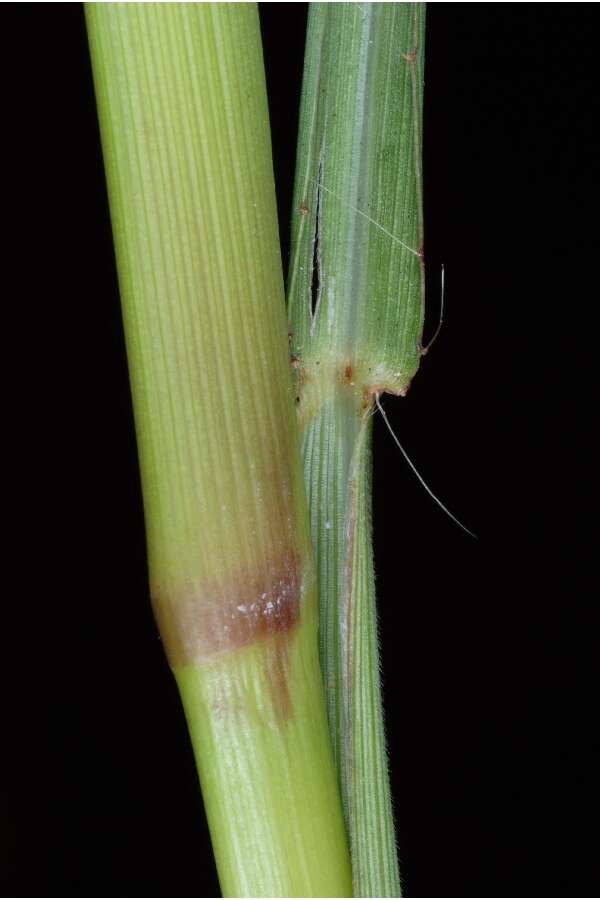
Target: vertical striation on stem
358,194
185,134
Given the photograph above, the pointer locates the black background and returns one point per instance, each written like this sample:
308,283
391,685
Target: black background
489,647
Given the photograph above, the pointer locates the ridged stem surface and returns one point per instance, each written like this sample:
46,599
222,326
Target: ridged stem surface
185,134
355,297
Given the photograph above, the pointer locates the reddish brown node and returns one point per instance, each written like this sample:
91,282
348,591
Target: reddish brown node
230,613
251,606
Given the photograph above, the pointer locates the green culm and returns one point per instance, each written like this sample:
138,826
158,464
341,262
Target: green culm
355,298
255,565
185,135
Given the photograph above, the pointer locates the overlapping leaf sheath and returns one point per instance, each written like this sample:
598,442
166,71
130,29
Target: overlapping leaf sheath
355,297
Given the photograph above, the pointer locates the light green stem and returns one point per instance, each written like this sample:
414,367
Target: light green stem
185,133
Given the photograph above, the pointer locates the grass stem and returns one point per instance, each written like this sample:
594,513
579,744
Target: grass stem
185,134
